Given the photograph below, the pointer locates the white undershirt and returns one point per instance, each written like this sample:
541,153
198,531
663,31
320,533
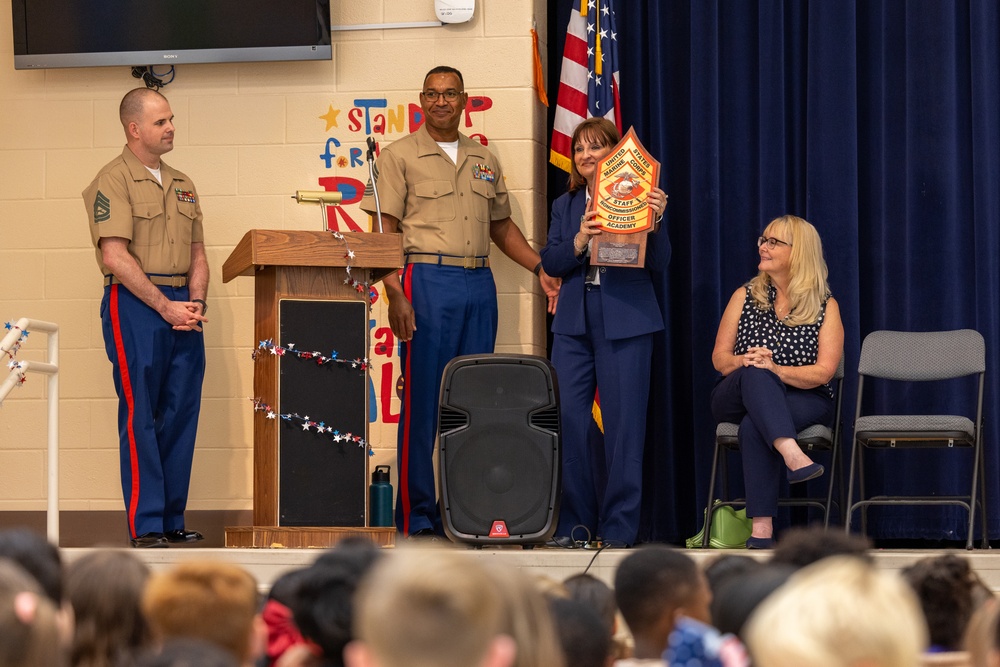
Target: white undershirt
156,174
451,148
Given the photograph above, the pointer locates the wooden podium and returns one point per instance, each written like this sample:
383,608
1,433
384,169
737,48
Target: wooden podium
310,490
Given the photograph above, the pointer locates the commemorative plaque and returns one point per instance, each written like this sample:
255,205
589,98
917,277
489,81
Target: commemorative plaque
624,180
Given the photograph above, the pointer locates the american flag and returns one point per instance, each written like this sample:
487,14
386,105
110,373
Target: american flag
588,83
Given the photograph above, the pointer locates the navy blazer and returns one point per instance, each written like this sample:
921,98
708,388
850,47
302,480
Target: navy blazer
630,306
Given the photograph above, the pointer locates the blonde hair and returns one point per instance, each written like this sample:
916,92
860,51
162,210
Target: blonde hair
429,608
838,612
213,601
807,286
528,618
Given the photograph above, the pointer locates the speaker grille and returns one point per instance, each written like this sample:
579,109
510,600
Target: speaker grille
499,448
547,419
452,420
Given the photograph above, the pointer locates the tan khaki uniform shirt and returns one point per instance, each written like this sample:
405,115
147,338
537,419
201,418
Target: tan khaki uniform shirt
160,222
443,208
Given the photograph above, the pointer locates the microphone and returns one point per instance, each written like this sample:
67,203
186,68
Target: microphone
317,197
372,179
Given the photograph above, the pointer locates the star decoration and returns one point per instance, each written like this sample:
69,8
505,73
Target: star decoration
14,365
320,358
292,418
331,117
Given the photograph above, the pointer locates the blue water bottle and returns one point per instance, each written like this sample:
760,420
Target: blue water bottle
380,498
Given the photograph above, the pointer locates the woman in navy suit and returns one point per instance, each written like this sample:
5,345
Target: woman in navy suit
602,340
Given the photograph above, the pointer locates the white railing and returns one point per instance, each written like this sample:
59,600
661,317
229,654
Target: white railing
15,377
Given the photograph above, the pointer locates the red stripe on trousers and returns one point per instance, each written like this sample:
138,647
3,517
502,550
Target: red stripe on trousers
116,326
404,455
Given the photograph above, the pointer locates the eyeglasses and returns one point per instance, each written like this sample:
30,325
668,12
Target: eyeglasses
433,95
771,242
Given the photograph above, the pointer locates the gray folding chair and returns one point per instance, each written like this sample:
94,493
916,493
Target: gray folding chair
814,438
900,356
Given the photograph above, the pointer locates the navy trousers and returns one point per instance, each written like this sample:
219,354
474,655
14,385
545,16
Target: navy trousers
456,313
620,368
766,409
158,374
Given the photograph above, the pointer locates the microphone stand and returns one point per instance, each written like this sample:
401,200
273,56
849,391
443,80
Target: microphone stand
371,177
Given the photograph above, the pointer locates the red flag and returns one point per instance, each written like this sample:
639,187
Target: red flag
537,57
588,83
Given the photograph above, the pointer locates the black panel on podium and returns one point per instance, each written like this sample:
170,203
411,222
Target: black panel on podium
322,482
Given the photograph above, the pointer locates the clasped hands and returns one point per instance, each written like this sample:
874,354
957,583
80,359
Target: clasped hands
184,315
759,357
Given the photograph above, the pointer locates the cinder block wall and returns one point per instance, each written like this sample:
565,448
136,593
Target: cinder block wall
249,135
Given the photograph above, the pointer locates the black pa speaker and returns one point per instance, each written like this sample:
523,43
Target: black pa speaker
499,449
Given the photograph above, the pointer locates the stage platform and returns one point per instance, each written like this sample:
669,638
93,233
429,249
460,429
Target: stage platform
266,565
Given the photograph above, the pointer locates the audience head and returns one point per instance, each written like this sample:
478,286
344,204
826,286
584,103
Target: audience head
180,602
282,631
803,546
582,633
595,594
188,652
29,624
105,589
654,585
719,568
527,618
38,557
839,612
321,600
596,130
429,608
735,599
944,586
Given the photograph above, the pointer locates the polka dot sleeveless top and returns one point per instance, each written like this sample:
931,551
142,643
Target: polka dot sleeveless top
790,345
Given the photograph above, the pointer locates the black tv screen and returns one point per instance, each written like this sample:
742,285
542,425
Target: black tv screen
93,33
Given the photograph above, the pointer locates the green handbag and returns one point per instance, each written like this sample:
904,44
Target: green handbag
730,529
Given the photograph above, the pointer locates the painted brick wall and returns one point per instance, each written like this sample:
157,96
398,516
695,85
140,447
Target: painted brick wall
249,135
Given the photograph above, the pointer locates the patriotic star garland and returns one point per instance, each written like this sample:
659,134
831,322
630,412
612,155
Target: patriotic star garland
14,364
362,363
321,359
357,285
307,424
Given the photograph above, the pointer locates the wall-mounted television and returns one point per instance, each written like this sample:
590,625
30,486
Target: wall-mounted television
95,33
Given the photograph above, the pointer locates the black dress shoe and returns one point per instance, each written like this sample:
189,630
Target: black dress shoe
561,542
149,541
811,471
424,535
609,544
760,543
183,536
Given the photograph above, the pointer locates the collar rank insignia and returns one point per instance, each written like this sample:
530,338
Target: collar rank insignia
483,172
184,195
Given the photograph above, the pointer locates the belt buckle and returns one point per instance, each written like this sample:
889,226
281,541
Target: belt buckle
470,262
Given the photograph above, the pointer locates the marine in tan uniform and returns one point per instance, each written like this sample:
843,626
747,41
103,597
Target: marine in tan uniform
446,195
146,225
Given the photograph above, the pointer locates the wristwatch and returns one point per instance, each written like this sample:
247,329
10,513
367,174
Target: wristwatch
204,306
